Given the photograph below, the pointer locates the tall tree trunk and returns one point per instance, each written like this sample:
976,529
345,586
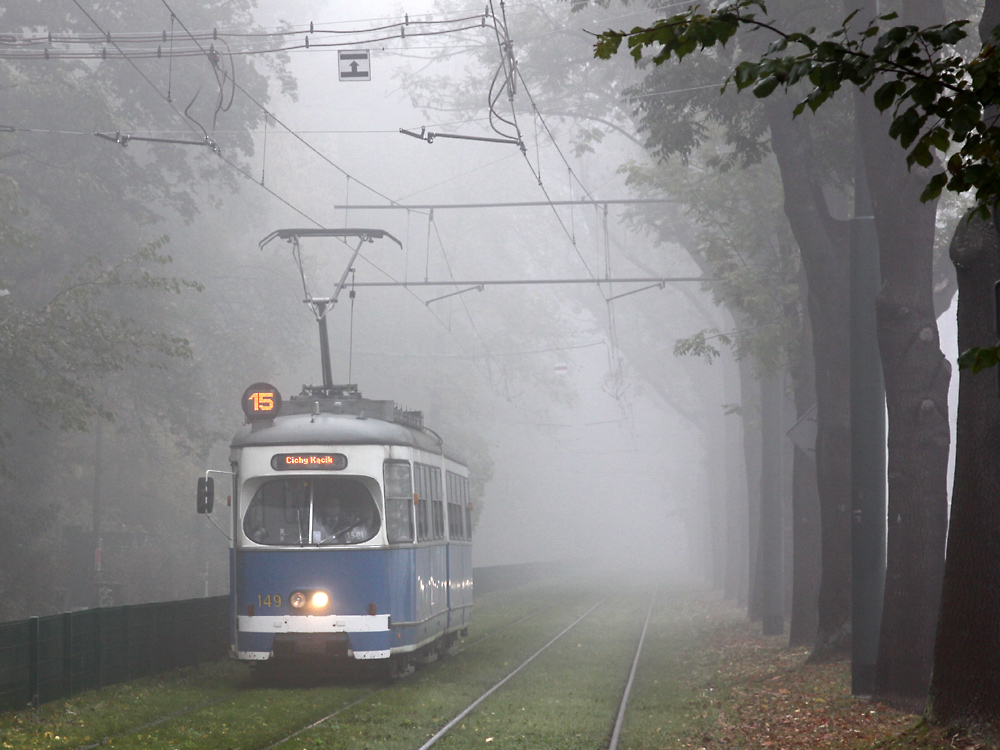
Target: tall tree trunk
965,687
736,581
717,504
805,504
916,376
750,402
823,242
770,553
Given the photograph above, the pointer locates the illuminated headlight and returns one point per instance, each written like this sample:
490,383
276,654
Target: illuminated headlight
297,600
320,599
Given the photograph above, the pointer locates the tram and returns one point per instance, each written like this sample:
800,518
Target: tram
351,533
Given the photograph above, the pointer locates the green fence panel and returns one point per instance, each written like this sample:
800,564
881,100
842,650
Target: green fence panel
46,658
15,664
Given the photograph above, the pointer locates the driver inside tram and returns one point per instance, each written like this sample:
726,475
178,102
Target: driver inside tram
340,516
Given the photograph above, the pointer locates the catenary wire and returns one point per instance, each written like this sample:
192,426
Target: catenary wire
246,174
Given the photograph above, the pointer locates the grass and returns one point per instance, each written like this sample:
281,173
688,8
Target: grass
219,705
94,715
707,680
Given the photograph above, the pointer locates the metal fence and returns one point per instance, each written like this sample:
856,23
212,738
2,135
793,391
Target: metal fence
46,658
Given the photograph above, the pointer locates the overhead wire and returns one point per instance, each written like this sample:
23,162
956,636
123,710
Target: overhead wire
615,366
280,122
215,34
506,52
235,86
472,322
246,174
349,177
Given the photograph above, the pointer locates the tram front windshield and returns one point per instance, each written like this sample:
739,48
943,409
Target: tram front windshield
315,511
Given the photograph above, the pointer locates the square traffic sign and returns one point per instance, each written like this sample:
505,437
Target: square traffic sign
354,65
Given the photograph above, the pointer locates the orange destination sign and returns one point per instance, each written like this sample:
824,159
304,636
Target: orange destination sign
309,461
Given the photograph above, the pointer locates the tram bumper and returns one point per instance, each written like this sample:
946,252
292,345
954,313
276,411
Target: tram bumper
263,637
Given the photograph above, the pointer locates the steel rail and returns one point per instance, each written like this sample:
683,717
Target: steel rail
375,691
316,723
512,204
156,722
620,718
655,281
472,706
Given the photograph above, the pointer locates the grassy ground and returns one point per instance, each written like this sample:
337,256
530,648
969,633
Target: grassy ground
707,680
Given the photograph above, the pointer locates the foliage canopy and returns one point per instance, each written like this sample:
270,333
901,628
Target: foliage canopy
937,97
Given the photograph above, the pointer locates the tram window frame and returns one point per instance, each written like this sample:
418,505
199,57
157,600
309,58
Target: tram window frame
456,517
401,502
468,508
421,474
437,503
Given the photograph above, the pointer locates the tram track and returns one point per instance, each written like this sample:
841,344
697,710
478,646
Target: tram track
249,686
608,737
546,664
622,708
472,706
621,713
371,694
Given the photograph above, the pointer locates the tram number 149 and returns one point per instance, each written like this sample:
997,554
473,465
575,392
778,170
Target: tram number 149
269,600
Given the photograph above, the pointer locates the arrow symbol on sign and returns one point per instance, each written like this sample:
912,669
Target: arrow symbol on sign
354,67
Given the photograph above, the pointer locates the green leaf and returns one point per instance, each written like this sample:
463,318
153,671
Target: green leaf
934,188
766,87
979,358
886,95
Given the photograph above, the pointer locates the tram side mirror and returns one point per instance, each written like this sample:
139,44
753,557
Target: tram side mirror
206,494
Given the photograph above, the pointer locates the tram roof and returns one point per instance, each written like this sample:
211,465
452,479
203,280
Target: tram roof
335,429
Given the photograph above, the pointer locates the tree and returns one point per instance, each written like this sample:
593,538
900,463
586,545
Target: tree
675,126
938,98
91,331
551,48
966,682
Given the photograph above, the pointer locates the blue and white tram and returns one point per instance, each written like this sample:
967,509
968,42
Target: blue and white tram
351,531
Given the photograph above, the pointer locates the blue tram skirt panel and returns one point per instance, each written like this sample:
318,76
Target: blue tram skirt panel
382,600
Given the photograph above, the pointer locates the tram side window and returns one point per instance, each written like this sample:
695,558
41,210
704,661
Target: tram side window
437,503
423,490
398,502
468,507
455,514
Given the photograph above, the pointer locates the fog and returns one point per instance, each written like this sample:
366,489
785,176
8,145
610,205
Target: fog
588,437
582,465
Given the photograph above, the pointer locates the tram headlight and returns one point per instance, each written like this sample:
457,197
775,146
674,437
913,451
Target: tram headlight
309,599
320,599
